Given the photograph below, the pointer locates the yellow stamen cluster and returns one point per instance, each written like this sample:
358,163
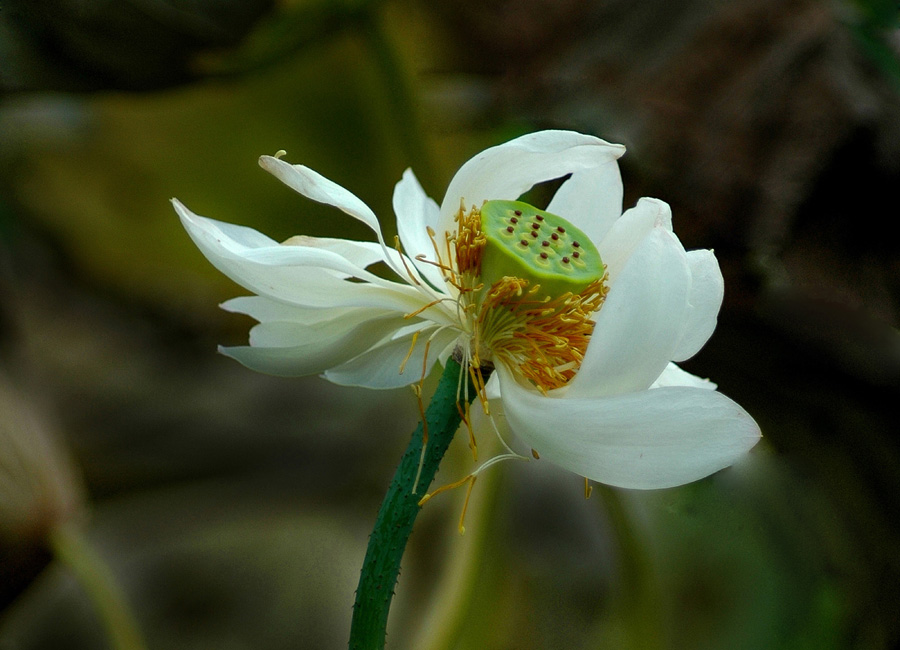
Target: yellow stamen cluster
469,245
544,337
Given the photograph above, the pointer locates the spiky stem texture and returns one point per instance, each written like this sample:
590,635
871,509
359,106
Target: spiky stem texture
399,510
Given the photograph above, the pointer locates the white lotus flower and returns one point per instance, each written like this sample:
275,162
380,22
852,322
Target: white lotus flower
583,352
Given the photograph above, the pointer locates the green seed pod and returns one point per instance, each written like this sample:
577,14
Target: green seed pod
538,246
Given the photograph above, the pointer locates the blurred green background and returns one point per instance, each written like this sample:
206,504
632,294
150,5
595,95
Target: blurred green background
234,508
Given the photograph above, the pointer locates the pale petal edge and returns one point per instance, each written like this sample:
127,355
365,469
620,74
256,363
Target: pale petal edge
645,440
637,328
707,292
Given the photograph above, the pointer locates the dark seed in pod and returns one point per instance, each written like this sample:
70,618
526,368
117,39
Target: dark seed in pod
545,243
518,213
543,256
561,229
534,234
538,217
575,244
536,226
565,260
576,254
510,229
554,236
513,220
524,242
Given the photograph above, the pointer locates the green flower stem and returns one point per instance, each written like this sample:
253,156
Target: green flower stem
71,548
399,510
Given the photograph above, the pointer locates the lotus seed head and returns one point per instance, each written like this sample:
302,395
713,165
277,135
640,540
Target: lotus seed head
555,265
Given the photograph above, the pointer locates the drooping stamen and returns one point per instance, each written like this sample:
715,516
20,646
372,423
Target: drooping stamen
465,508
449,486
464,414
470,479
417,389
412,346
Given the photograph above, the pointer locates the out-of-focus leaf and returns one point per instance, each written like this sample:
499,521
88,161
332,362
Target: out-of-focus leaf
105,196
112,44
280,34
876,25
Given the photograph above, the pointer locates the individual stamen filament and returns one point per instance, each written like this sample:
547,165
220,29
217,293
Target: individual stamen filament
412,276
462,387
418,391
588,488
412,346
471,479
498,459
449,273
425,358
415,313
465,508
425,260
454,273
464,416
501,439
444,488
478,382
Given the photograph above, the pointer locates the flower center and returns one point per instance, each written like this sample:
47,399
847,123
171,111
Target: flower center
529,284
538,246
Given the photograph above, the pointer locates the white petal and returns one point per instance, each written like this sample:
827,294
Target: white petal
227,235
313,185
675,376
265,309
492,387
629,231
228,241
364,332
361,253
510,169
380,366
645,440
298,275
416,212
591,200
637,328
293,349
707,290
